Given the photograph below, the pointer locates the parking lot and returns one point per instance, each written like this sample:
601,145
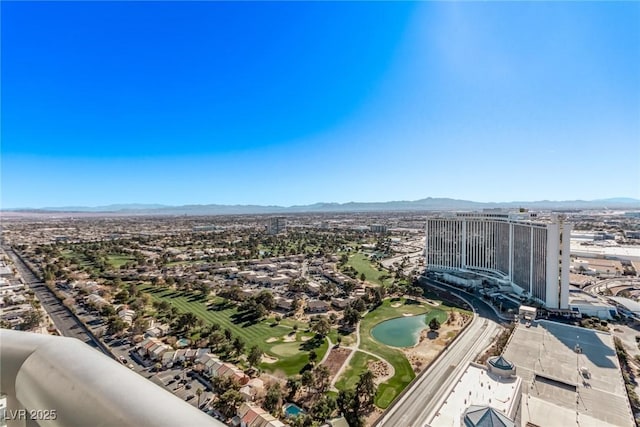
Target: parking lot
182,385
176,380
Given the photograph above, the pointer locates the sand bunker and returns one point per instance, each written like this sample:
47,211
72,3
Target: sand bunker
396,304
272,339
433,303
268,359
289,338
407,314
306,338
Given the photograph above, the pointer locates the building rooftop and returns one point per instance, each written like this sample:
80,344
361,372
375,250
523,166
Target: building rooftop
501,362
485,416
476,386
629,304
550,369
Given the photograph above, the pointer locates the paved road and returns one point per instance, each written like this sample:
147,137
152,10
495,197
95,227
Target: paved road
63,319
416,407
600,285
481,307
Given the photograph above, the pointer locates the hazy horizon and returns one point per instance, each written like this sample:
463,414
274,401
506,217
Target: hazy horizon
298,103
135,205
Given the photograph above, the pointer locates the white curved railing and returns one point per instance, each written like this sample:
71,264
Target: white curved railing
57,381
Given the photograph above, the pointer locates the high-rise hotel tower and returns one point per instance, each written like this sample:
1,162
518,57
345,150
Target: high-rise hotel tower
529,253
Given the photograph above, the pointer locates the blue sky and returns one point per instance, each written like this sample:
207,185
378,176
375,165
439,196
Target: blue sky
299,102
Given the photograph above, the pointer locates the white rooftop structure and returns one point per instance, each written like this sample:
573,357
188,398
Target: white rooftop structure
613,250
477,387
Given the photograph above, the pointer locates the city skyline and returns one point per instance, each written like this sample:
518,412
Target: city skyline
298,103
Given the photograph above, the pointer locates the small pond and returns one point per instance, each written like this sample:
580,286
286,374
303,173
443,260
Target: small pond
401,331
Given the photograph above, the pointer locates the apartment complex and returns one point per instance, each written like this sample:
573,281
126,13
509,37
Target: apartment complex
514,248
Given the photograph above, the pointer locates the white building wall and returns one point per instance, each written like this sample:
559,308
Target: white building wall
537,261
565,263
553,268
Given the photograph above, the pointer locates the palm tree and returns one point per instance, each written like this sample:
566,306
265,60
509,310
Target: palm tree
199,394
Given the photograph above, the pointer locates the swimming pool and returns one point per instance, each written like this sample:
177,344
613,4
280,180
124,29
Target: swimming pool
291,410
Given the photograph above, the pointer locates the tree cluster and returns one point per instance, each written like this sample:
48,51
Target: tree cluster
355,404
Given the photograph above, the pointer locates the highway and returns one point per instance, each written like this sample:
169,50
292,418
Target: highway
599,287
64,320
416,407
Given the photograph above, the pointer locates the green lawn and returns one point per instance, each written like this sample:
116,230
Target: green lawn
77,258
357,365
362,264
118,260
388,390
291,356
296,359
176,263
347,340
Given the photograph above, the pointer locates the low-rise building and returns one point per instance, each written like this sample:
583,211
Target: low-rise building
254,416
158,330
589,305
97,301
126,315
285,304
317,306
146,345
480,388
253,388
341,303
156,352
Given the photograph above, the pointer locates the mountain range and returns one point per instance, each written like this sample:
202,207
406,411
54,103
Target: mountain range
427,204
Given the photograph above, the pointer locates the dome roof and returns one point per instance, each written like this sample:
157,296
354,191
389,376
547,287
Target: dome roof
485,416
500,363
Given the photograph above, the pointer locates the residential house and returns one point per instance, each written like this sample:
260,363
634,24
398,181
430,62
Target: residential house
254,387
190,354
146,345
290,272
168,359
284,304
156,352
158,330
340,303
126,316
280,279
254,416
313,289
96,300
317,306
